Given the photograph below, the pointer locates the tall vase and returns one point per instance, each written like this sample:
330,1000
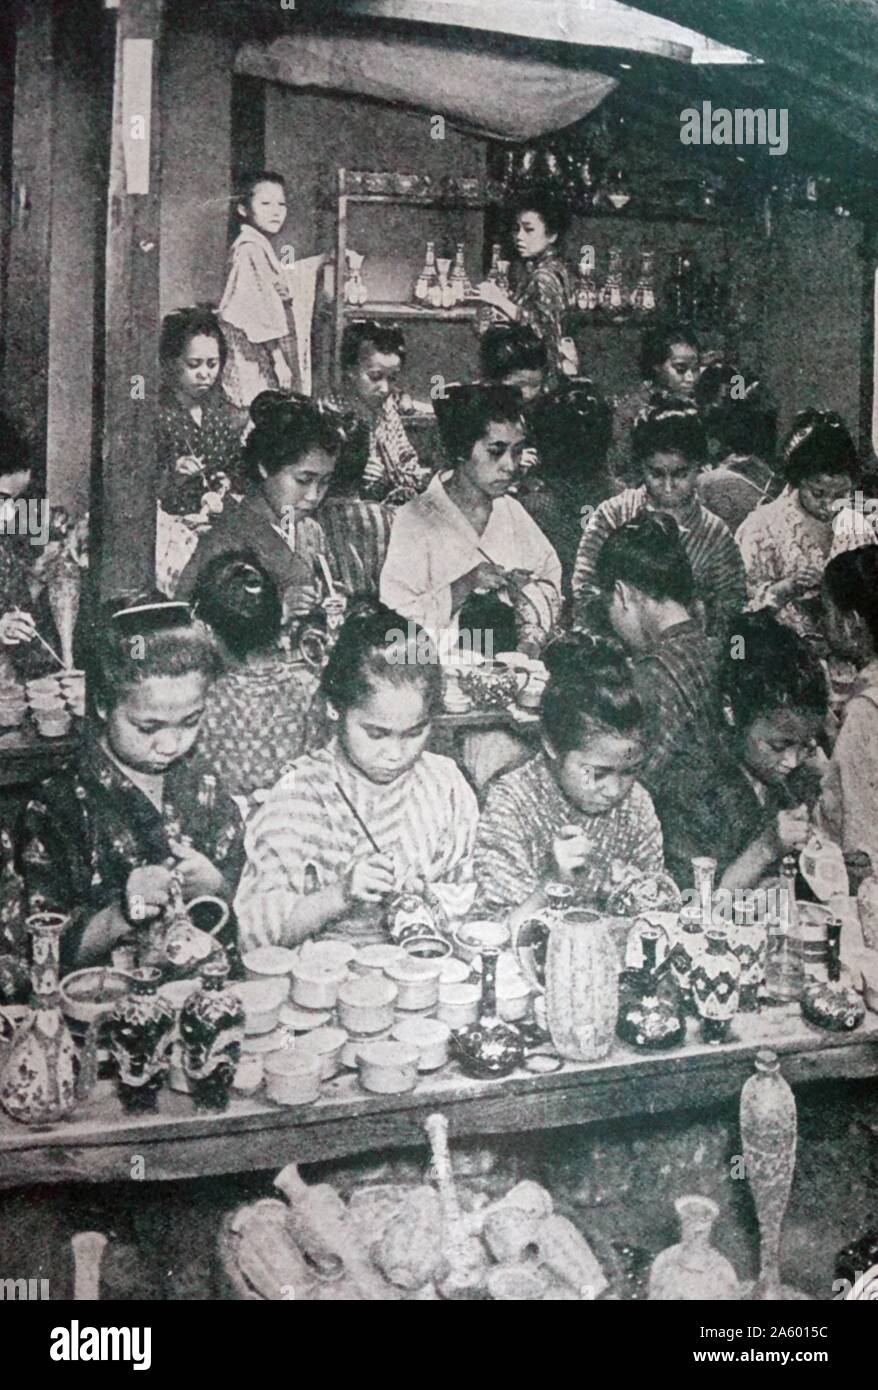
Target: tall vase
141,1029
43,1078
211,1031
768,1138
693,1270
580,972
715,986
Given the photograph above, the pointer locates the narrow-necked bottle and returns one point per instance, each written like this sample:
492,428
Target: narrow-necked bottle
784,968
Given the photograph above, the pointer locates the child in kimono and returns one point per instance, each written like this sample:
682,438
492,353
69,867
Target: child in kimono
465,536
253,308
368,816
575,813
101,840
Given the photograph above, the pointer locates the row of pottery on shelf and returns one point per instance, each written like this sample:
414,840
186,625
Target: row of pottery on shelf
693,1269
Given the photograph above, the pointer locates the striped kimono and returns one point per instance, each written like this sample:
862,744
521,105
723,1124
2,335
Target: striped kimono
304,838
717,566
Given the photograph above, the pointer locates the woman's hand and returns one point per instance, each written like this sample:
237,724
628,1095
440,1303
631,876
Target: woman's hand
570,851
16,627
300,600
792,829
808,580
369,880
490,293
198,876
283,372
188,465
147,892
489,576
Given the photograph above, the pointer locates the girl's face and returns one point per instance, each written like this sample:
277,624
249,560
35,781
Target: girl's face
375,377
530,236
845,632
530,381
493,464
384,735
776,743
599,775
197,367
679,371
156,721
670,482
820,494
299,487
266,208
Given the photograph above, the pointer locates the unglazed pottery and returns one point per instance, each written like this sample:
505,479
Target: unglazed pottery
769,1130
388,1068
693,1270
366,1004
292,1078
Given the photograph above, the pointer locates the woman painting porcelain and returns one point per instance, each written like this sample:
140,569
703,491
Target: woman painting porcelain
544,291
465,536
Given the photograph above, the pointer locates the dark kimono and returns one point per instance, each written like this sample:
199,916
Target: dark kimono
216,441
89,827
28,659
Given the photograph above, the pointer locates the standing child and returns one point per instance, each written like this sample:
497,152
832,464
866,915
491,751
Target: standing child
100,840
312,863
253,309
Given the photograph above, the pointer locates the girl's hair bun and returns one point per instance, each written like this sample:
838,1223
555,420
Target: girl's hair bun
819,442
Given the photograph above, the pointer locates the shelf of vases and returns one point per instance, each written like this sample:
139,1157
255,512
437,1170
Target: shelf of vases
461,313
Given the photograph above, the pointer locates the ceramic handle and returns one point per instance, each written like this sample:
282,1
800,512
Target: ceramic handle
88,1251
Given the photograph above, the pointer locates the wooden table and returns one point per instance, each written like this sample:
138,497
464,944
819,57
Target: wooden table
26,758
99,1143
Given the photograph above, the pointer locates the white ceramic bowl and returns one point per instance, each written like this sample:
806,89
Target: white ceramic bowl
262,1000
316,986
471,938
87,993
365,1004
326,1045
292,1078
268,962
417,982
388,1068
459,1003
429,1036
427,947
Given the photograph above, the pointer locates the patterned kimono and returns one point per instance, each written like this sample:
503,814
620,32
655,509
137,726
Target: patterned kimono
253,313
524,811
305,837
716,562
216,442
378,458
778,541
87,828
544,296
26,660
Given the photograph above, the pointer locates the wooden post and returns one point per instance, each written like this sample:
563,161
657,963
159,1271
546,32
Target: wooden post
26,356
126,527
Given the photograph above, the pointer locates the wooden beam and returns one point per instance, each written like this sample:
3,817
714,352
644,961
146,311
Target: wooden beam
26,355
126,550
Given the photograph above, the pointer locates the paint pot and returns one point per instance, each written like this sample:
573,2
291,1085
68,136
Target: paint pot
471,938
429,1036
427,947
292,1078
325,1044
388,1068
365,1004
459,1004
417,982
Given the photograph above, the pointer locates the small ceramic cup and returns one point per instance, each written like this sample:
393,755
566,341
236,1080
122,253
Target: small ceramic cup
316,986
325,1044
375,959
427,947
429,1036
365,1004
459,1004
513,1000
472,938
417,982
292,1078
388,1068
453,972
52,724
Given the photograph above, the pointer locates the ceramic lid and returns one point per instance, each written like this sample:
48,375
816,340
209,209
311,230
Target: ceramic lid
367,991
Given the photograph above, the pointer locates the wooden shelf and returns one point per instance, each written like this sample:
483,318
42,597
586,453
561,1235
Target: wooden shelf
408,200
459,314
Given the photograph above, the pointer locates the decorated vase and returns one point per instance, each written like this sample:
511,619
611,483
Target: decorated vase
489,1047
716,986
688,947
140,1033
211,1033
748,941
829,1003
769,1130
645,1018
